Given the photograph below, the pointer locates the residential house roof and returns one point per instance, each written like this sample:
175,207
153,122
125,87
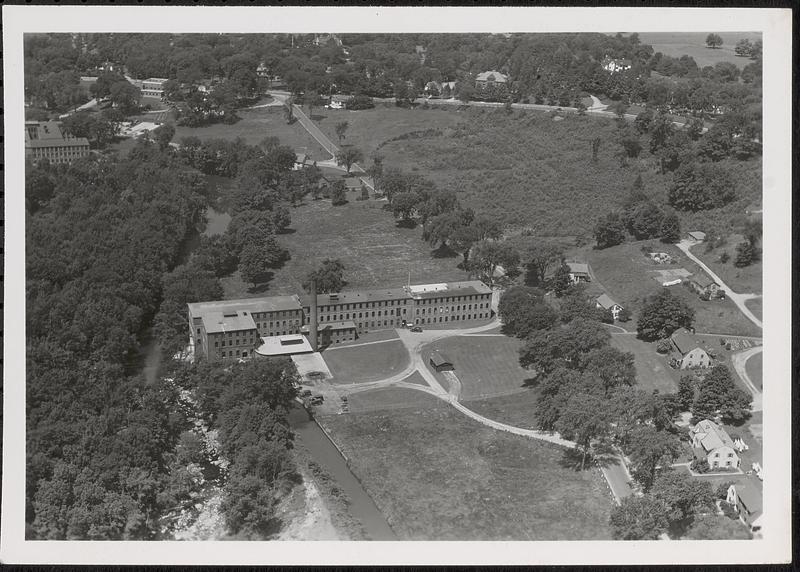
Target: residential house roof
697,235
578,268
606,302
492,75
684,343
439,359
702,280
714,436
750,494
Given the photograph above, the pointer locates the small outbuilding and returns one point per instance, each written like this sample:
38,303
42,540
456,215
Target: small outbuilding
441,362
578,272
697,235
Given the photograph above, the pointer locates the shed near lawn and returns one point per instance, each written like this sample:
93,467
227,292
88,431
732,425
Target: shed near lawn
697,235
441,362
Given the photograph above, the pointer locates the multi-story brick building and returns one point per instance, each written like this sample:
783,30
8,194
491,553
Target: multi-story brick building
228,329
46,140
234,328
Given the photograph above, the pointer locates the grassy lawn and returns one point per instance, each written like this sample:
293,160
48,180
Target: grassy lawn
652,369
375,252
517,409
369,128
750,432
438,475
676,44
754,367
391,398
626,274
366,363
756,305
254,126
486,365
743,280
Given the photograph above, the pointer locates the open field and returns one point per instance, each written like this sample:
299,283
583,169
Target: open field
366,363
625,273
438,475
743,280
486,365
254,126
369,128
755,369
756,305
517,409
652,369
392,398
676,44
375,252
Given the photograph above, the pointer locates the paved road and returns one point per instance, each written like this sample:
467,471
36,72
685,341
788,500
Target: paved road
735,297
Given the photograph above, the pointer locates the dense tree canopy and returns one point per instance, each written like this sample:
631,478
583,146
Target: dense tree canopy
663,314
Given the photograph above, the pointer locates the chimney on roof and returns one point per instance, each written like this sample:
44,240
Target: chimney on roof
312,327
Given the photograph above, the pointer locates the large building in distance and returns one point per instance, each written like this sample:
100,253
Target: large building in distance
46,140
239,328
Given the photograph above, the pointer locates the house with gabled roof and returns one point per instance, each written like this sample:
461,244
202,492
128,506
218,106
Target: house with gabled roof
605,302
747,496
692,355
578,272
491,77
713,444
704,284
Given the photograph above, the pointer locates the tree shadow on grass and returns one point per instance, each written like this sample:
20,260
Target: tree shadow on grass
530,382
287,231
571,459
263,284
403,223
444,251
605,455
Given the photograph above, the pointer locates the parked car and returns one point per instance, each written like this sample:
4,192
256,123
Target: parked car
416,329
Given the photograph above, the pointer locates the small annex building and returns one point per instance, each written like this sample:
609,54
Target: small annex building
606,303
747,496
704,284
712,443
441,362
697,235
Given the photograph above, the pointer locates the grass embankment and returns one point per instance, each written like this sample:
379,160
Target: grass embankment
388,398
366,363
375,252
628,277
754,367
652,369
438,475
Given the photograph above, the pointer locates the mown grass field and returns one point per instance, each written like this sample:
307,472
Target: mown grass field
254,126
438,475
756,305
755,369
676,44
392,398
626,274
486,365
366,363
517,409
375,252
652,369
369,128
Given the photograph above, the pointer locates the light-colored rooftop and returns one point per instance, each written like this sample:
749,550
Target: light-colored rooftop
251,305
217,321
438,358
606,302
487,76
714,435
578,267
283,345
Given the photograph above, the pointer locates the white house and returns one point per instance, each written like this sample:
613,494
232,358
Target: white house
692,355
712,443
603,301
747,496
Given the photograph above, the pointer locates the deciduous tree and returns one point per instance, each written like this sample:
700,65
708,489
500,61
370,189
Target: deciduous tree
663,314
329,277
349,156
583,420
341,130
718,394
639,518
609,231
650,449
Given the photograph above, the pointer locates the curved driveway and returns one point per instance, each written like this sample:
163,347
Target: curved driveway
736,298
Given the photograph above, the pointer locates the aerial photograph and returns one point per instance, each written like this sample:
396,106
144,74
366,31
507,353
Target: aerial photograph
393,286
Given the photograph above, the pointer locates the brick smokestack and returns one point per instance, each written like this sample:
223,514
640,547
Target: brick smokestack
312,327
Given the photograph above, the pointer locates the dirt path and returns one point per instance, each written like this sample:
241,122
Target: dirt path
738,299
315,523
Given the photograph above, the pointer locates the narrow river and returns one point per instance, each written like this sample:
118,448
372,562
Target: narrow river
327,455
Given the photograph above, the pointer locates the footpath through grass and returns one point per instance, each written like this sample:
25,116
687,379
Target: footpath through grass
438,475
